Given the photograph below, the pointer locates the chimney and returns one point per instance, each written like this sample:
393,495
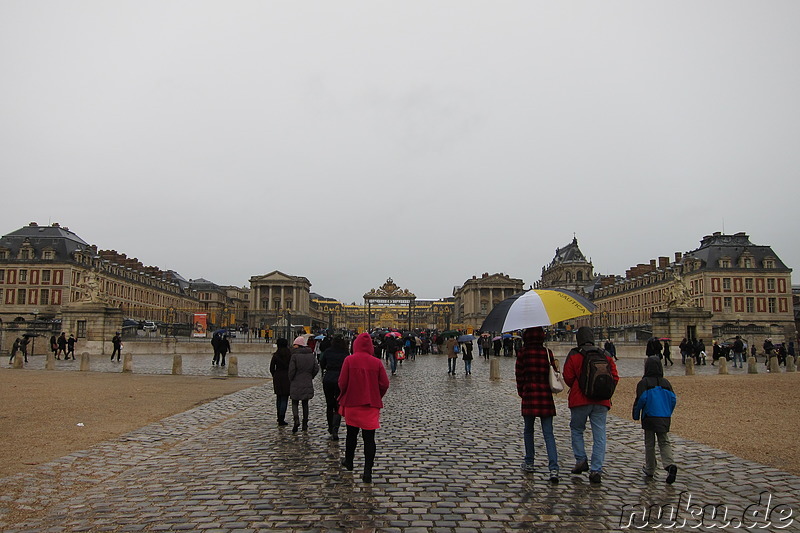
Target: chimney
652,265
678,257
663,262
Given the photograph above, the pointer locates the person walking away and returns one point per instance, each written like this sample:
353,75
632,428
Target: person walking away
591,375
667,357
224,348
54,346
14,350
655,401
116,342
738,352
700,352
363,383
508,346
716,352
279,369
71,346
303,366
611,349
62,345
532,372
390,347
452,349
497,346
216,340
467,356
684,348
487,346
331,365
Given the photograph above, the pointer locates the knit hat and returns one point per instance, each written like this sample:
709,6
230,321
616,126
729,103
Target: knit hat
282,343
300,341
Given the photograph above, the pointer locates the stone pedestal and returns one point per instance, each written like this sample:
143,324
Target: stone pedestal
752,365
98,321
723,365
177,365
127,362
233,366
50,362
19,361
494,368
85,362
676,322
773,364
790,364
689,366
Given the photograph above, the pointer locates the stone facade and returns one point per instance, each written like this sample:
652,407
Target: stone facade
477,296
745,287
277,295
44,269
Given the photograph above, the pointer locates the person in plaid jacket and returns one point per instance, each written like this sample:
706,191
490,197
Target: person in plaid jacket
533,386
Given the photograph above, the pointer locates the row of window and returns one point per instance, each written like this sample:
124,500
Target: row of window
31,277
30,296
748,285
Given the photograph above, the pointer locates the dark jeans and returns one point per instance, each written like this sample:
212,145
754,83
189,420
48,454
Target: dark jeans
451,365
282,404
117,351
332,407
368,436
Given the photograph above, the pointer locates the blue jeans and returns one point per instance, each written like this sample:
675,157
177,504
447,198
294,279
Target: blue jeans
468,366
549,440
393,362
738,357
597,418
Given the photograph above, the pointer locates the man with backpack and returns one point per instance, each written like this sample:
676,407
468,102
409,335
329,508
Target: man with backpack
591,375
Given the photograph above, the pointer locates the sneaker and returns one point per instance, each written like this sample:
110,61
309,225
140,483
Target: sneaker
672,473
554,476
581,467
595,476
528,467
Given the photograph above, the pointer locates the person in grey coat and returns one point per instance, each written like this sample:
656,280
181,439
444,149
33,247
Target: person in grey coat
303,366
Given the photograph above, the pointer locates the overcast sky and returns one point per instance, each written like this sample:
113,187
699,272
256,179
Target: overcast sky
348,142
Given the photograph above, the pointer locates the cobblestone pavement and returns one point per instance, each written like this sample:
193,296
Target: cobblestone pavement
257,365
449,456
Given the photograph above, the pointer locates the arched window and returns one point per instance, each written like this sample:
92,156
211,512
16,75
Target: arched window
579,276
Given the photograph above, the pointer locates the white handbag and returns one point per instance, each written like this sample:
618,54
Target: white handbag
556,381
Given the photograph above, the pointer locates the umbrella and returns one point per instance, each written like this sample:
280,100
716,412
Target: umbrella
466,338
497,338
537,307
319,337
451,333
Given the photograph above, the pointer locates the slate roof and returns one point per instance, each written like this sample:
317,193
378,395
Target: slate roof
717,246
570,253
60,239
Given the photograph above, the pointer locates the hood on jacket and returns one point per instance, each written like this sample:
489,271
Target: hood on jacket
653,367
363,343
584,336
533,336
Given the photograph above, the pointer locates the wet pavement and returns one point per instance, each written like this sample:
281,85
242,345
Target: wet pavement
448,460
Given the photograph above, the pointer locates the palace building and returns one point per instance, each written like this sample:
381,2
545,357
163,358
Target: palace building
45,268
745,289
477,296
569,270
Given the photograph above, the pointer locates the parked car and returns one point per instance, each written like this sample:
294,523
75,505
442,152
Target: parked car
150,326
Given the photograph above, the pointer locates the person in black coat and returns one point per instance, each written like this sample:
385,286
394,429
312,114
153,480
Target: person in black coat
331,365
279,368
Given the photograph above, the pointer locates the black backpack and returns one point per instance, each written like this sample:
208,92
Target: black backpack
596,380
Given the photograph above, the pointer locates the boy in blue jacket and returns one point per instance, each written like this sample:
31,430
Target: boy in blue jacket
655,402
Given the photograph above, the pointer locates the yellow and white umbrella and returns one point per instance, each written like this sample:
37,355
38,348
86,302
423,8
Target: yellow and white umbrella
536,307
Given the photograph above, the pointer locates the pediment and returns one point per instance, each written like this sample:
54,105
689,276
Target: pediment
275,275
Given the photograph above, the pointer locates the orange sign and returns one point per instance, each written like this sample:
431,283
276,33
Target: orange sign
200,325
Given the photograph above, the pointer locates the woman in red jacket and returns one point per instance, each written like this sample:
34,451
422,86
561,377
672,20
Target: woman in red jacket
362,382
